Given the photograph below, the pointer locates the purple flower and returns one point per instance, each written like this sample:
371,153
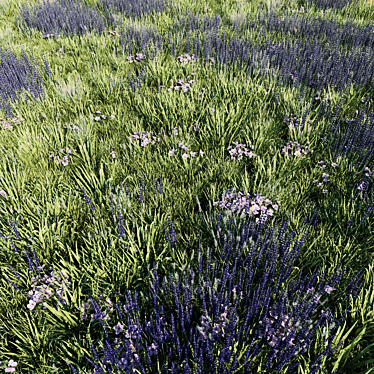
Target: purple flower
328,289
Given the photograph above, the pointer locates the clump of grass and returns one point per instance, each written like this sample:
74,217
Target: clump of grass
139,143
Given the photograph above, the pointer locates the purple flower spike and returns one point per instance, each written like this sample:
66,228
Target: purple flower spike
15,287
140,194
160,185
166,233
88,201
75,371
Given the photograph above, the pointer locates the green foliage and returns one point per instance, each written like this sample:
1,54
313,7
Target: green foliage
45,199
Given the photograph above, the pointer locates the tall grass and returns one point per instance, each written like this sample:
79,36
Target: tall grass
223,148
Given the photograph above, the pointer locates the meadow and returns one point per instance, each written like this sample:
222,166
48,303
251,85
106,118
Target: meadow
186,186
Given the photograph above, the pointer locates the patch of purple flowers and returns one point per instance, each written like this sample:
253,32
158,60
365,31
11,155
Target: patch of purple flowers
229,305
256,206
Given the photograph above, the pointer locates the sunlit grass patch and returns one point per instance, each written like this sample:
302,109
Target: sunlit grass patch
189,190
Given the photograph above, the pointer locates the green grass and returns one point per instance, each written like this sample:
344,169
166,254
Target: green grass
48,206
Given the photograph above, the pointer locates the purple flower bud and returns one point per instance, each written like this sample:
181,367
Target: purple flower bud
166,234
88,201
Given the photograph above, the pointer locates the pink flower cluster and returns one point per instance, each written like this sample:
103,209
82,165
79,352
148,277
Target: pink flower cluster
41,292
7,125
64,160
255,206
298,152
186,58
238,152
185,155
139,57
145,137
113,34
324,175
10,363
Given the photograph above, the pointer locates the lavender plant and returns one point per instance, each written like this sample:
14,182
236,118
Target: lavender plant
211,338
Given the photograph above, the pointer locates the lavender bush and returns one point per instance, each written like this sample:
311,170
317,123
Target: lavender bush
198,199
49,18
336,4
134,10
205,342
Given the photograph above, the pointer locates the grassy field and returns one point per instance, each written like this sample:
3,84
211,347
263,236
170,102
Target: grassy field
216,154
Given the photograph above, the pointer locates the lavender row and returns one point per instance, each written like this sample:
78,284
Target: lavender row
310,68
